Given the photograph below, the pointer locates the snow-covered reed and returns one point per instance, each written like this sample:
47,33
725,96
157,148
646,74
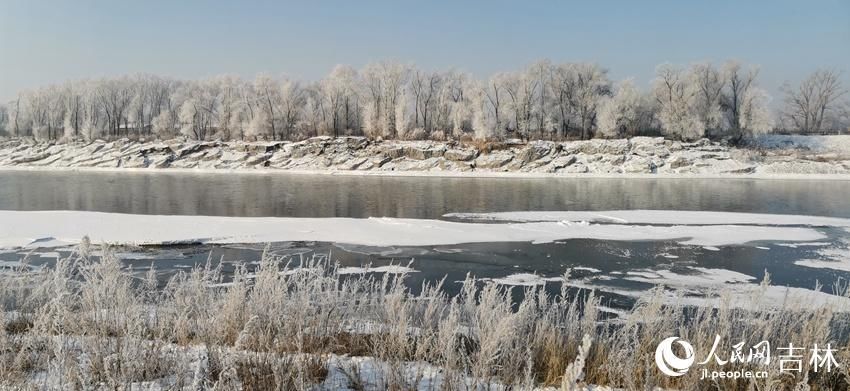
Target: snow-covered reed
92,324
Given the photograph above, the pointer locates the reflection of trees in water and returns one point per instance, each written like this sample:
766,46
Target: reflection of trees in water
412,197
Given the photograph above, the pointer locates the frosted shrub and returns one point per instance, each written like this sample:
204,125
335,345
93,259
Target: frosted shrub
574,372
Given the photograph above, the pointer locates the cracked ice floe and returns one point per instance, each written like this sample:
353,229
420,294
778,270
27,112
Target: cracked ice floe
703,287
524,279
807,244
701,277
21,228
586,269
700,287
389,269
44,242
830,258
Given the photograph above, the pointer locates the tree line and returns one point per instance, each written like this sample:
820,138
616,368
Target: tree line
399,101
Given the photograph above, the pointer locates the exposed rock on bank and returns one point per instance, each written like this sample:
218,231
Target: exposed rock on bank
639,155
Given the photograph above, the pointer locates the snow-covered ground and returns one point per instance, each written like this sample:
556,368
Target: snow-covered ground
768,156
838,144
41,229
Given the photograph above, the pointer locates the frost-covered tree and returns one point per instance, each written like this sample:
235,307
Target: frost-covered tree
93,118
676,97
393,100
384,85
339,92
164,124
374,107
150,96
403,115
228,123
277,107
18,120
72,99
199,108
815,105
267,101
488,108
160,91
743,102
56,112
425,88
244,110
314,118
708,83
115,96
435,105
592,84
4,119
705,101
521,89
563,89
577,90
543,122
192,119
38,108
754,116
139,108
455,99
292,98
626,113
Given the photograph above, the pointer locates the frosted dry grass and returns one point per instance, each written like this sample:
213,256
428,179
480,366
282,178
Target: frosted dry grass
91,324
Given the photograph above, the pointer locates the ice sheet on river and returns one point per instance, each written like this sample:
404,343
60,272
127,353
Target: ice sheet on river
698,287
31,228
662,217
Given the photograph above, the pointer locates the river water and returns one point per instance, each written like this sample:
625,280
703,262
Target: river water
295,195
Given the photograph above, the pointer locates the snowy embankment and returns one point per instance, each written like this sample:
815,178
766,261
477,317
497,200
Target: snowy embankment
58,228
767,156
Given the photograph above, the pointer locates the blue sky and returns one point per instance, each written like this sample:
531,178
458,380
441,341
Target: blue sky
50,41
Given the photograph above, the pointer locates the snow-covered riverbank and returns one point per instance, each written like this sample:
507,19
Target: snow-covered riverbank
774,156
